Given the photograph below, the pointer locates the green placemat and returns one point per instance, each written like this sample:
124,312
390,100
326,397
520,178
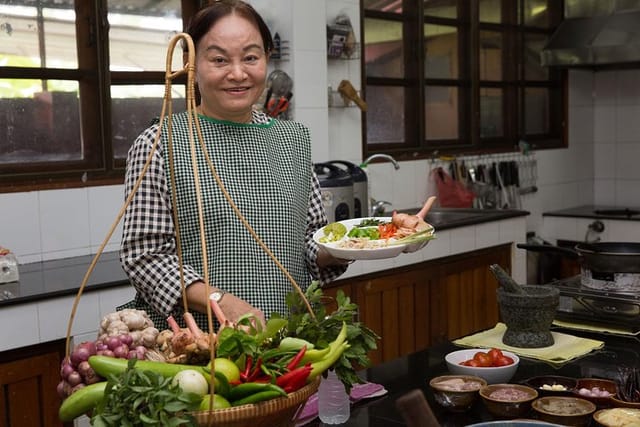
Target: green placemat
565,348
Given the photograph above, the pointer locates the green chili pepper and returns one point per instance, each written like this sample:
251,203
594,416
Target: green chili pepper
258,397
247,389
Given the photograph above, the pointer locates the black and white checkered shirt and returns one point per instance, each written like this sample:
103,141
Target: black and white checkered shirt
148,250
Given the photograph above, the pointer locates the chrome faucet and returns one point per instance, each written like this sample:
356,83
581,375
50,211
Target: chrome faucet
366,161
378,208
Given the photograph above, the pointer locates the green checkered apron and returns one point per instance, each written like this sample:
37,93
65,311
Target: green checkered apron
266,169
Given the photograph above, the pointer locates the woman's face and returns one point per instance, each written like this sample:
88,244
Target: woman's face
231,68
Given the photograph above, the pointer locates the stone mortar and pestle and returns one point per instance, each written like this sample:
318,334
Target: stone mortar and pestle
527,310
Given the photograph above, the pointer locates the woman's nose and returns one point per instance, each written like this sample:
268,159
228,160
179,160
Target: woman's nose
237,71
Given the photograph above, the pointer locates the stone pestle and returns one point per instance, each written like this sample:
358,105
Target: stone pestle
506,281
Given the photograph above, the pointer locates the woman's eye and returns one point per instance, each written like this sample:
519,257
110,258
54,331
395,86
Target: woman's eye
218,60
251,58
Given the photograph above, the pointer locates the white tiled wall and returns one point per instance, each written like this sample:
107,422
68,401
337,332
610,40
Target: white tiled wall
48,320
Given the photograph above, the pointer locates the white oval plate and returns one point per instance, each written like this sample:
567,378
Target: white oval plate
386,251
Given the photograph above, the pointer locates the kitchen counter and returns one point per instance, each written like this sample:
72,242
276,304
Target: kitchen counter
447,218
598,212
414,371
50,279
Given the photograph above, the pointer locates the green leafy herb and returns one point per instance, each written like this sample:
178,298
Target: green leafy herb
325,328
370,222
144,398
371,233
418,237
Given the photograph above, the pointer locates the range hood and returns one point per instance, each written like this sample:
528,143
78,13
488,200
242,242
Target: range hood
596,34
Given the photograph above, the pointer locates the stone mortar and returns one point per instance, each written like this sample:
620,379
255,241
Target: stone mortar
528,317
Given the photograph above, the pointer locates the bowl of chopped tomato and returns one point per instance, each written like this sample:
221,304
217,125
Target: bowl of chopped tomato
494,365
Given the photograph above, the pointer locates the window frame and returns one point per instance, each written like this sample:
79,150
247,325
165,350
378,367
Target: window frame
469,141
98,166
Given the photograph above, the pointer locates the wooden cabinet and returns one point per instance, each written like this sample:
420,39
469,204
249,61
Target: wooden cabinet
28,380
416,306
464,293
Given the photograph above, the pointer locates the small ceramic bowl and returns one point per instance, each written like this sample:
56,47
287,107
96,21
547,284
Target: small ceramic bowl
493,375
591,389
552,385
508,400
456,393
615,417
567,411
618,402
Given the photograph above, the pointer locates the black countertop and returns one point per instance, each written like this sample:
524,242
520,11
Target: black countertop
48,279
414,371
599,212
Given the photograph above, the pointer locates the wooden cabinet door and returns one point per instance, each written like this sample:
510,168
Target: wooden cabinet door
28,380
464,297
396,307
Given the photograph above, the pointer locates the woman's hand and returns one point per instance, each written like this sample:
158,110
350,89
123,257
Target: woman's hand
232,307
325,259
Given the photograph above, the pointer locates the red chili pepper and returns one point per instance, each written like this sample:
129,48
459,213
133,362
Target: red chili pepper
296,359
244,375
256,371
285,379
298,381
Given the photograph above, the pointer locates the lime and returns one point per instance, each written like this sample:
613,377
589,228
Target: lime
219,402
334,231
227,368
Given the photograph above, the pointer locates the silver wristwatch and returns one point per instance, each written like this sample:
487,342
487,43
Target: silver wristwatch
216,296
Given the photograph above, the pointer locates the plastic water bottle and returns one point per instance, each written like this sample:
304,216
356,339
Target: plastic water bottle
333,400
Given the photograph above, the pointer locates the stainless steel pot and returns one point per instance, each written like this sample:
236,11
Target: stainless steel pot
602,257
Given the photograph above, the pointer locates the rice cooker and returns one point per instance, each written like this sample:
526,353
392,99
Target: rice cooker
337,191
360,187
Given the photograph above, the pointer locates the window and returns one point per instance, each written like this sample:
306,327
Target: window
79,80
459,76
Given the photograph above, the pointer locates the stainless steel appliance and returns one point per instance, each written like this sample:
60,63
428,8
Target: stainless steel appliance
600,302
607,289
360,187
337,191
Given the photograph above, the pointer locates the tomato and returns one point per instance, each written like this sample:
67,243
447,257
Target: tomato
483,359
471,362
387,231
495,354
503,361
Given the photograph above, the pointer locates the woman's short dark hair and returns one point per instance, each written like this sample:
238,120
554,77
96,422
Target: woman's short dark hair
205,18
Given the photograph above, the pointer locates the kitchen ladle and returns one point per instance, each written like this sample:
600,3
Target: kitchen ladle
427,207
280,83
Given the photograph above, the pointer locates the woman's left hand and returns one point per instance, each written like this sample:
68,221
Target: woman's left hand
325,259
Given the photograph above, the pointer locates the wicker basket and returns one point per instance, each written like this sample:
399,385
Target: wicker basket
279,412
